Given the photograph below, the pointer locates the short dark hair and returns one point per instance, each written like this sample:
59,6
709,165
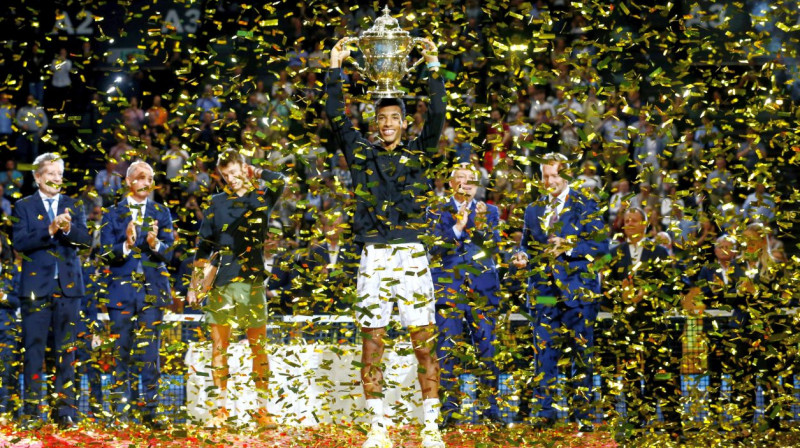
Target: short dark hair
228,157
386,102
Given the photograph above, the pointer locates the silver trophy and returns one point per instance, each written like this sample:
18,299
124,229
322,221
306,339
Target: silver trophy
386,48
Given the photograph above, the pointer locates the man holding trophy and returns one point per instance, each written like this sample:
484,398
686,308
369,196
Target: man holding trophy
390,180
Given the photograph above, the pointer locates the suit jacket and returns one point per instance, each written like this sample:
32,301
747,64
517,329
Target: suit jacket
469,257
307,276
122,287
652,276
43,253
567,276
236,228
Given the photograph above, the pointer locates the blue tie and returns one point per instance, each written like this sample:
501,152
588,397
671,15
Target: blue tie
52,214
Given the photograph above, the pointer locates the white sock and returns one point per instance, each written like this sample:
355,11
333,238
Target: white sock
222,399
375,407
430,409
263,401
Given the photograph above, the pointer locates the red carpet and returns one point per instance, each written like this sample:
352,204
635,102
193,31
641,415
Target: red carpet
317,437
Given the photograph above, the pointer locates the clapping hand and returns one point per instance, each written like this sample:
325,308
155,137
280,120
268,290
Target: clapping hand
130,235
462,217
62,222
480,215
152,235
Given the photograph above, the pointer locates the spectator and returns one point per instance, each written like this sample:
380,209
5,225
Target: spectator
133,116
121,153
751,151
11,179
7,115
174,159
157,115
688,155
720,180
648,150
707,133
34,67
107,182
620,192
342,172
759,206
61,81
32,121
208,103
5,204
498,141
590,181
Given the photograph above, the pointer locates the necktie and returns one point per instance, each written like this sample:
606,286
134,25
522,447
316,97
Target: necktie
553,216
137,215
52,214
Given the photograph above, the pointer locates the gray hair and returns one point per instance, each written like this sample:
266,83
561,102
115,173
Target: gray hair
465,167
132,168
51,157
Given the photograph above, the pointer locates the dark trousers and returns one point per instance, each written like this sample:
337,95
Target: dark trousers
137,348
454,323
564,332
44,315
87,364
650,363
9,360
748,359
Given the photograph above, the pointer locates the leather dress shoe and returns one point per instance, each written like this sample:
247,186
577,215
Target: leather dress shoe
65,422
155,424
448,422
495,421
543,423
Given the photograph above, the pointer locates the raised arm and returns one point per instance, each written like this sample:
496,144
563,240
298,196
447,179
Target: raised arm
434,121
344,135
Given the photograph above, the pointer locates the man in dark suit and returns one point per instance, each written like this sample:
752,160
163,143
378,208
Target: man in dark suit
738,346
644,276
137,238
562,238
467,287
49,229
233,229
333,263
9,332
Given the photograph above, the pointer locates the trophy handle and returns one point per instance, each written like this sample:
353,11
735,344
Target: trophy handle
416,41
350,40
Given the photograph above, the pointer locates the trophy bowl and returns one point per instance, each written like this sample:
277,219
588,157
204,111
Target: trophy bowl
386,48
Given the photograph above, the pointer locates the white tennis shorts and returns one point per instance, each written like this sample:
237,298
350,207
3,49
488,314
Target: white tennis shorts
395,273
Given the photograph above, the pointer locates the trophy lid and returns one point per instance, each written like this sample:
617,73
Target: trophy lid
385,25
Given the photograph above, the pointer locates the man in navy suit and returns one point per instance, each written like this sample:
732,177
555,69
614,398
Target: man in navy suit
137,238
562,237
49,229
332,263
467,286
643,274
9,332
